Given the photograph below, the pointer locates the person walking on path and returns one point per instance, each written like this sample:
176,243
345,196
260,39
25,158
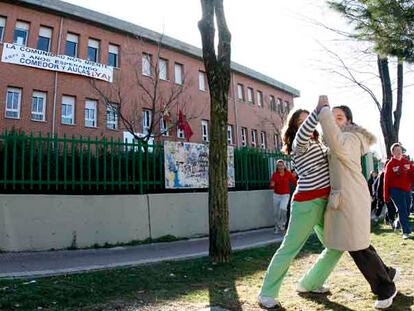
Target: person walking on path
279,182
390,211
348,214
309,156
398,176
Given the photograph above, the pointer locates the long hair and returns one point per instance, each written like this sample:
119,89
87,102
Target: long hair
289,132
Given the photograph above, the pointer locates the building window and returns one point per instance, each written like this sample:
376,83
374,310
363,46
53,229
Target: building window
90,113
178,73
2,26
277,142
254,138
71,48
146,121
250,95
272,103
112,111
202,81
287,107
230,134
93,50
45,37
38,106
280,105
113,55
263,140
240,92
164,127
68,110
21,32
204,130
13,102
259,99
163,69
244,136
180,133
146,64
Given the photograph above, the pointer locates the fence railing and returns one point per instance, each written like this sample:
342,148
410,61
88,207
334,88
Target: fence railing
51,164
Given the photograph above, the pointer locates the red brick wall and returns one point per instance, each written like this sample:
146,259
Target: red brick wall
131,49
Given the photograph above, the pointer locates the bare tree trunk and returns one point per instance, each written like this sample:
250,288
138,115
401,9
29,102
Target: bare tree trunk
398,108
386,120
218,75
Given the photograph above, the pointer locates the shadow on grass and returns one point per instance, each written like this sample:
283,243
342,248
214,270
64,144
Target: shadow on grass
324,301
403,302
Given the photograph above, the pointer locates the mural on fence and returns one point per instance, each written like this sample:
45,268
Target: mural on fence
186,165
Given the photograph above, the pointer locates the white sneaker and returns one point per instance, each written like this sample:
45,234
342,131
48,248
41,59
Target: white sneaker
397,275
268,302
320,290
386,303
405,236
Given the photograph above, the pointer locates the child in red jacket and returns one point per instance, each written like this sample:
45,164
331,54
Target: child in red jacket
399,174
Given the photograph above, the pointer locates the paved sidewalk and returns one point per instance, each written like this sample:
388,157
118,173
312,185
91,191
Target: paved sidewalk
40,264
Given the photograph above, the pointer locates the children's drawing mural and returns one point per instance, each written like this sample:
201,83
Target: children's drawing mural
186,165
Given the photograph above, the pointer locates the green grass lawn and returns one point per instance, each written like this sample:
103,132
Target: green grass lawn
190,285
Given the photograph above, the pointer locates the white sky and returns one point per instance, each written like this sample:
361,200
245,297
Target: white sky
276,38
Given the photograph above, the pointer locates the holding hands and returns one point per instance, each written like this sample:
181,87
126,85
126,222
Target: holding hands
322,102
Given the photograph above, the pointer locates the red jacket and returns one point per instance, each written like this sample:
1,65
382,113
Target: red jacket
398,174
281,182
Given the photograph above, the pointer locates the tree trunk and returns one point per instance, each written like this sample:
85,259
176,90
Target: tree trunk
218,75
386,119
398,108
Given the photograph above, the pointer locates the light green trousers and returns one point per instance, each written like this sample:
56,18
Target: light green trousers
305,217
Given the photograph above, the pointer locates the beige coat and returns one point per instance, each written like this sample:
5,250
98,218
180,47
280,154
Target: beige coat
348,215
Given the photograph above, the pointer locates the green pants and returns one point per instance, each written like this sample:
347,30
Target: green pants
305,217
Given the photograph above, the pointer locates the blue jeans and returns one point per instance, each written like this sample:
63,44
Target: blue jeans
402,200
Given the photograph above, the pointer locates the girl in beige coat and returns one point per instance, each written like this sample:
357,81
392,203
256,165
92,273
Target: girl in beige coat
347,217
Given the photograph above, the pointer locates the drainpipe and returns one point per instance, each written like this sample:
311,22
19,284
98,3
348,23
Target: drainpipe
56,81
236,113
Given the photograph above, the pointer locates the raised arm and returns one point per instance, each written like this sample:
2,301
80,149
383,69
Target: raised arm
305,133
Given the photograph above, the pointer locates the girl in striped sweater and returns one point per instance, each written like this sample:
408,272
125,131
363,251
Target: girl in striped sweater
309,201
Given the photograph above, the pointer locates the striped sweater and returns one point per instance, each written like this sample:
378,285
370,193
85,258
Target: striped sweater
310,157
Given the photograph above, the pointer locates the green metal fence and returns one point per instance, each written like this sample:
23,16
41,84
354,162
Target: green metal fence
254,167
78,165
49,164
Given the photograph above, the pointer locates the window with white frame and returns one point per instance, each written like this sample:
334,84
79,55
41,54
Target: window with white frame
38,106
280,105
254,138
244,136
230,134
68,110
277,142
250,95
146,121
202,81
163,69
180,133
263,140
178,73
112,111
240,92
21,33
71,48
272,103
93,50
164,127
2,27
259,99
146,64
204,130
13,102
91,113
113,55
44,39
